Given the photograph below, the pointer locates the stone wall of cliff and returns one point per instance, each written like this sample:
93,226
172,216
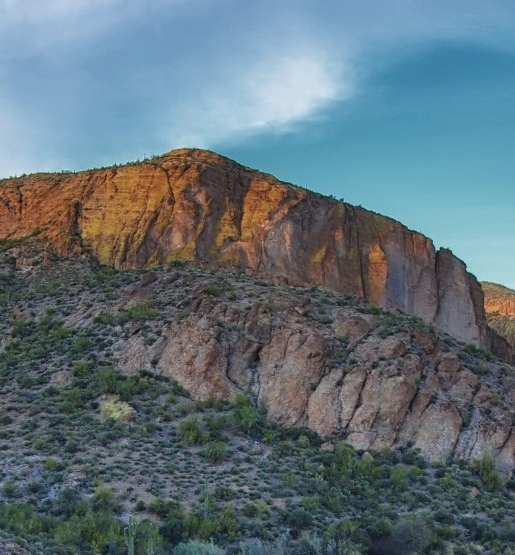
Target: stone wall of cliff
196,205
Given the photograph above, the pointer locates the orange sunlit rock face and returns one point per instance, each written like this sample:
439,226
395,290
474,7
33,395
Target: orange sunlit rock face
196,205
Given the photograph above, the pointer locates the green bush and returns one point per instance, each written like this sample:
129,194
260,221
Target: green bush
245,416
487,470
197,548
113,408
258,547
215,452
138,312
105,318
190,431
298,518
173,530
98,531
409,535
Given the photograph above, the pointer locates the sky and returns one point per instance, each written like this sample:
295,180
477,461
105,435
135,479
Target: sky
405,107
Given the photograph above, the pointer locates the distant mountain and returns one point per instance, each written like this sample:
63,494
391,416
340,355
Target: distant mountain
500,310
196,205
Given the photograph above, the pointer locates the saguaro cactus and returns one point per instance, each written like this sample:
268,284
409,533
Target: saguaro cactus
150,539
129,533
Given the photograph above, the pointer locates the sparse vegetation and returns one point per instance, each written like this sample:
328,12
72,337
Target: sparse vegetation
84,445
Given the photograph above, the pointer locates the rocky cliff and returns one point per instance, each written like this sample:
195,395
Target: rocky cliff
500,311
196,205
338,367
312,358
498,299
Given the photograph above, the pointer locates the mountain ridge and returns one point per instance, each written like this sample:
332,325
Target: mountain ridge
192,204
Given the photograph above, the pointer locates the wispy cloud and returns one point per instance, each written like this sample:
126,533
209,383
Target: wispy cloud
270,95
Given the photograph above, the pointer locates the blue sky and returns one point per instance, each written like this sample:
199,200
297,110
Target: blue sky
406,107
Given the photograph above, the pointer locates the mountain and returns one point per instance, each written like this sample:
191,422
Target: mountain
194,205
500,310
231,358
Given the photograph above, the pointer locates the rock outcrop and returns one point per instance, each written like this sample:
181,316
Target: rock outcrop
498,299
500,314
197,205
336,367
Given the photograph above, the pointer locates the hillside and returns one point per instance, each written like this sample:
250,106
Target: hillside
500,310
214,404
194,205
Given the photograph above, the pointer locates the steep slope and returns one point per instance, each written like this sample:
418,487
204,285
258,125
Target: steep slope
95,425
196,205
313,358
500,310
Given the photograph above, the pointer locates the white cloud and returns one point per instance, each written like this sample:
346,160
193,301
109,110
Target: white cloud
270,95
324,57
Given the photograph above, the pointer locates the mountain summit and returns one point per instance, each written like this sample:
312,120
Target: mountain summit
195,205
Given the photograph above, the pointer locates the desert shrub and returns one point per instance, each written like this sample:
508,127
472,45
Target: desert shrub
173,530
380,528
215,452
104,500
227,522
80,345
212,290
409,535
51,465
245,416
20,518
105,318
10,489
98,531
66,502
190,431
81,369
197,548
398,478
113,408
137,312
20,327
486,469
283,449
298,518
258,547
165,508
107,380
200,527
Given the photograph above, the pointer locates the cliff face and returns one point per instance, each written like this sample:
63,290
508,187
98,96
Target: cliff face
196,205
499,299
500,312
